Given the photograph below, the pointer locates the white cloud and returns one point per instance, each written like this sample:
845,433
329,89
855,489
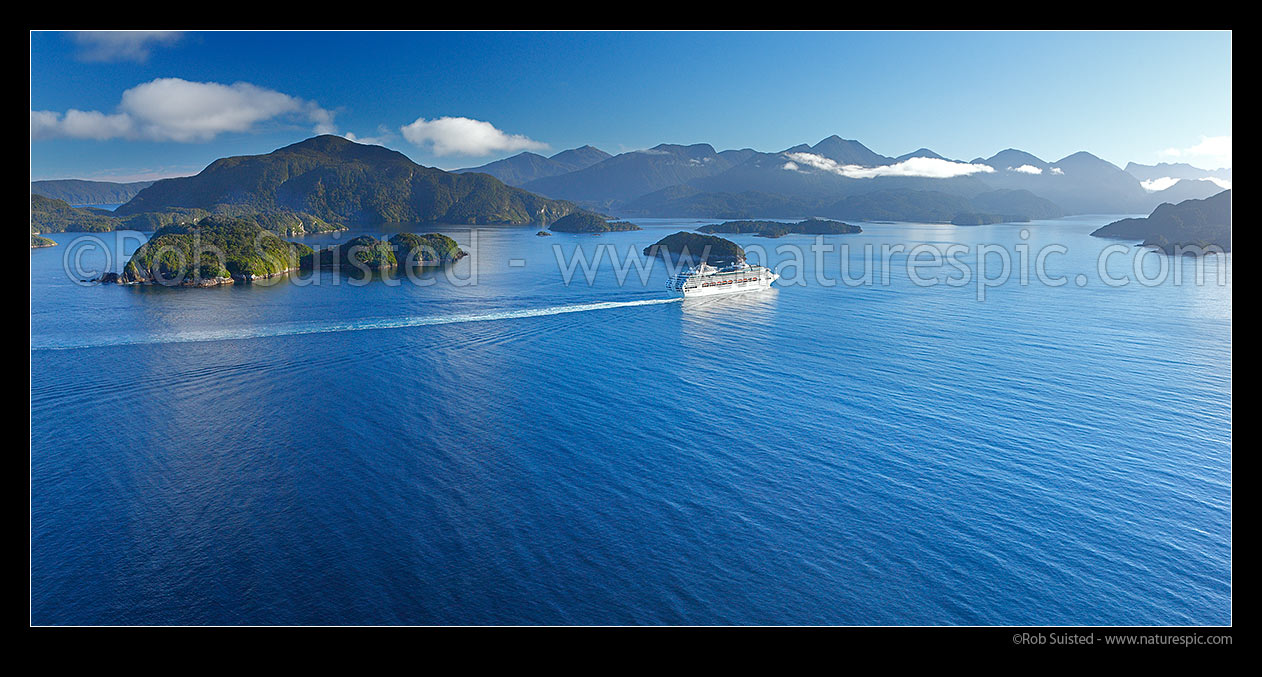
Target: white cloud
122,45
465,136
1154,185
1026,169
1221,183
1212,150
1058,171
918,167
171,109
791,166
370,140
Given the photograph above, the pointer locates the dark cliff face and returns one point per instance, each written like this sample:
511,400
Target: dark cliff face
340,181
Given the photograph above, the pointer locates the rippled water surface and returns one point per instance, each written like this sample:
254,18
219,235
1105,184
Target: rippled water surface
524,451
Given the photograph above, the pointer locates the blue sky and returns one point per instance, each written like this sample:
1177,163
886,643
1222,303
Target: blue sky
166,105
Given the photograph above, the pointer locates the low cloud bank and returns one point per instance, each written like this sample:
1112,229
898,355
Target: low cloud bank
923,167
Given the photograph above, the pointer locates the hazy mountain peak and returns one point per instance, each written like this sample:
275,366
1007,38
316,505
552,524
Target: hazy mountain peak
919,152
1084,158
848,152
1011,157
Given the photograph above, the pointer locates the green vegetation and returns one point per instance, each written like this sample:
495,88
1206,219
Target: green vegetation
425,250
777,229
684,246
54,216
1196,223
367,253
215,250
37,242
338,181
588,222
49,215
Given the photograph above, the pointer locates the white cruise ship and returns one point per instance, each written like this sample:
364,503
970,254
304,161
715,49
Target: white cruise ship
705,279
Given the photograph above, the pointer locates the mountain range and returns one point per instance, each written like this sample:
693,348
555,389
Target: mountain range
328,182
697,180
526,167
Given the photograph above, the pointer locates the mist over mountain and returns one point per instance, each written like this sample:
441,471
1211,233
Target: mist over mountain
1174,170
822,179
1185,189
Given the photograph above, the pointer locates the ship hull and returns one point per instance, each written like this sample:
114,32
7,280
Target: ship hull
735,288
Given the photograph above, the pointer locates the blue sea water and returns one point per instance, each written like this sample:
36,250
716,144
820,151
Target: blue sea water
523,451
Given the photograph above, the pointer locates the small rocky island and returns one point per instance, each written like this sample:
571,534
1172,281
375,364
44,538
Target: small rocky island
685,247
367,253
778,229
589,222
187,255
1195,223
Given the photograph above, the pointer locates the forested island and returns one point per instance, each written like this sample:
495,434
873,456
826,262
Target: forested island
38,242
189,255
366,253
589,222
696,248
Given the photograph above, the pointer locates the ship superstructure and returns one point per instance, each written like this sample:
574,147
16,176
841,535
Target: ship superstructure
705,279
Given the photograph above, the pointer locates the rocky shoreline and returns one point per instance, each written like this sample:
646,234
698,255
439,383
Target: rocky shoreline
115,278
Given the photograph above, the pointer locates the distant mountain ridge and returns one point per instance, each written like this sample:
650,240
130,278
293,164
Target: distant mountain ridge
804,180
84,192
526,167
630,175
1174,170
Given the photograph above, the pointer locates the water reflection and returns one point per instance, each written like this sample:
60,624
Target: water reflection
704,319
